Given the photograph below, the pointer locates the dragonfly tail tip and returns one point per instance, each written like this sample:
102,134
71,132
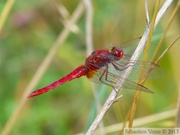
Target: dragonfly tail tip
31,95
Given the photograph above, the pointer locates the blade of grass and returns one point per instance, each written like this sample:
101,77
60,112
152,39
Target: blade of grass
5,12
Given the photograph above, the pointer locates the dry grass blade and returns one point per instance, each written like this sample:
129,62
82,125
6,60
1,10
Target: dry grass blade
140,121
137,93
143,120
5,13
160,57
42,68
147,13
136,98
89,48
178,111
125,123
167,49
166,30
89,23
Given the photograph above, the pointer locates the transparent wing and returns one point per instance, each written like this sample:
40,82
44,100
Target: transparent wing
143,67
111,79
128,47
139,67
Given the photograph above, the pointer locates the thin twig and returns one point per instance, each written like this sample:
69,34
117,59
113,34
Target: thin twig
41,70
135,56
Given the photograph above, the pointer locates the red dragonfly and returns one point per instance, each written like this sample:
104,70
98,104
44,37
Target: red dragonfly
106,66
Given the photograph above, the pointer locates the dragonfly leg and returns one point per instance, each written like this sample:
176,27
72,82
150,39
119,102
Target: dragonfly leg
125,66
104,79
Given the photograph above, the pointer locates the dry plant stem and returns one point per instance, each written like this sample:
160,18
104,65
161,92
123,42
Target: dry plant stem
42,68
147,13
124,123
151,31
136,97
167,49
178,103
66,15
62,10
178,111
140,121
5,12
178,107
133,110
166,30
89,23
144,120
160,57
89,46
135,56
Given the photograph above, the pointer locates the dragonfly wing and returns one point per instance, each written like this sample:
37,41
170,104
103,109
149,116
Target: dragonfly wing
128,84
146,68
139,67
111,79
128,47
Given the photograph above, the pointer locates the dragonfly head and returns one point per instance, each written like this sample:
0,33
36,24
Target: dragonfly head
117,52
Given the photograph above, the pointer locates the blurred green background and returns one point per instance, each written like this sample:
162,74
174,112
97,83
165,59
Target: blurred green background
30,31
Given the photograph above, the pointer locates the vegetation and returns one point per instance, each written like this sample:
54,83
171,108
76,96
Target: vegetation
34,53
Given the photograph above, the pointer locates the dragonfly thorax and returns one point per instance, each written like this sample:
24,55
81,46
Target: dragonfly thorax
98,59
117,52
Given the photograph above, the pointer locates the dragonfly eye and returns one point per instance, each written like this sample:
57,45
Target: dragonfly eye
117,52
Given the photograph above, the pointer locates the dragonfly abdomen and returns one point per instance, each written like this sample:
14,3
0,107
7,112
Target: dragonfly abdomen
78,72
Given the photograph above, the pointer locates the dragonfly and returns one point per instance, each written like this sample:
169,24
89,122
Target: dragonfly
107,66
